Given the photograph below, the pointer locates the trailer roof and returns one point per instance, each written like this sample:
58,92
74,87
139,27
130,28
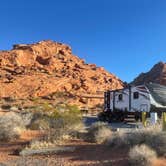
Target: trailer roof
158,92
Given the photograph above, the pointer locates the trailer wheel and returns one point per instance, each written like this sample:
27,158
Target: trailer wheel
119,116
102,116
122,118
137,118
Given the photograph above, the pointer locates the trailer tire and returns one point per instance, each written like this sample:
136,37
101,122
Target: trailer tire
122,118
137,118
102,116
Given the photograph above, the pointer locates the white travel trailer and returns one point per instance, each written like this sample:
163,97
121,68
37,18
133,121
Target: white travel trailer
133,100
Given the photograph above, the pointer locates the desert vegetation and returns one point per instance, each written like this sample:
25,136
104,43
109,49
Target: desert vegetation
11,126
58,123
99,132
144,144
62,123
141,155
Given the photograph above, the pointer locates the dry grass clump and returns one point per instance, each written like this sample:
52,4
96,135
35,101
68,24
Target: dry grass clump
11,125
141,155
30,161
157,141
99,132
46,150
153,137
117,140
102,135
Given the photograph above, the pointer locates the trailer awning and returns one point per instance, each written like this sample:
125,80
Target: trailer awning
158,92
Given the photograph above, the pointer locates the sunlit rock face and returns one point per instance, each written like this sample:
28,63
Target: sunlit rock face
46,67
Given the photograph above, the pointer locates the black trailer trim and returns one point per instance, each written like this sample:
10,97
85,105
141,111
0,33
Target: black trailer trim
129,98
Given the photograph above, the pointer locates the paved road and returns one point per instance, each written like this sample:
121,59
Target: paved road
130,126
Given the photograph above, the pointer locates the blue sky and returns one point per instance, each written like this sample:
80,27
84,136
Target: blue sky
124,36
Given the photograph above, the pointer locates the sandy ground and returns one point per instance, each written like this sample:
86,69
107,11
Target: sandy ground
85,153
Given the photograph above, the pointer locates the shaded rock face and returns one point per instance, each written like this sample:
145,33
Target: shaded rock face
46,67
156,75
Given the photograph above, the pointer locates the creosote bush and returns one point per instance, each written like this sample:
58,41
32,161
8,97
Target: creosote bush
58,121
61,125
141,155
63,122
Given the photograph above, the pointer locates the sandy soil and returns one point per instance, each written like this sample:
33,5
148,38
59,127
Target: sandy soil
85,154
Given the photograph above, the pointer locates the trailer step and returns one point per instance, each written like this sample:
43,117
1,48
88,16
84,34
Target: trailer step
129,118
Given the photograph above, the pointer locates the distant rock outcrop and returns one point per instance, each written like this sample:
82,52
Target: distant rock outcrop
46,67
157,75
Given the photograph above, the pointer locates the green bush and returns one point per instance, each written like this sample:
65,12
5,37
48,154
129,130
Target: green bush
67,118
58,121
63,122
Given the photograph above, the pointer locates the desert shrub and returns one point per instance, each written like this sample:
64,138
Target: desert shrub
141,136
141,155
63,123
39,124
152,137
157,141
46,151
59,121
136,137
41,147
39,121
102,135
10,126
39,144
118,139
70,116
26,117
98,132
78,131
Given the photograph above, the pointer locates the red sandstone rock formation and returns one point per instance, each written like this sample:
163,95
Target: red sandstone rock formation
157,75
46,67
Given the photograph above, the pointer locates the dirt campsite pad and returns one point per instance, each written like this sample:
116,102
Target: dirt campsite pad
85,153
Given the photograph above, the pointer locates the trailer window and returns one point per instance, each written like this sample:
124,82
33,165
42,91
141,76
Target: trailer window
120,97
135,95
